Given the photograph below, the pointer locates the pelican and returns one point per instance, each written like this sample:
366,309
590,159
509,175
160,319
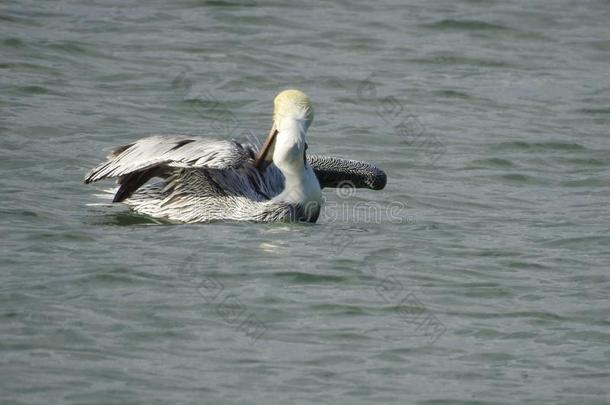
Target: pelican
188,179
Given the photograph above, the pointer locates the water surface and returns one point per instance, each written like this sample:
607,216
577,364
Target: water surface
479,275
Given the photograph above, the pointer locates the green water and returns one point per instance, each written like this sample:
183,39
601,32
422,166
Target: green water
479,275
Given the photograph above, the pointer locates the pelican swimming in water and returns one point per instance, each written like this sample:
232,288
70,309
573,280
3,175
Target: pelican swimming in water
185,179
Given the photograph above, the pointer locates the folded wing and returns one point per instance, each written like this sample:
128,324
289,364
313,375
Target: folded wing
337,172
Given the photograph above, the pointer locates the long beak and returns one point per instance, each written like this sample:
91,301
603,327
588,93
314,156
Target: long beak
265,157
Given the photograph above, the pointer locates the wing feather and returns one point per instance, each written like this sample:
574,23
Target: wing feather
337,172
170,151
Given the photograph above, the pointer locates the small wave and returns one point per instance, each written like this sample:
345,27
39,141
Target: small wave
520,178
536,146
585,162
33,89
466,25
587,182
494,163
594,111
301,277
69,47
13,43
445,59
453,94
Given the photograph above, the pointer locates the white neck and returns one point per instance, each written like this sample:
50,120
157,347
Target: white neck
301,185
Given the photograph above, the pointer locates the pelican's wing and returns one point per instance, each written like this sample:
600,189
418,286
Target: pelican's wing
136,163
170,151
337,172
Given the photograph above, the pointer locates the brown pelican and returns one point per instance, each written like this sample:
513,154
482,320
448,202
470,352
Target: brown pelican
187,179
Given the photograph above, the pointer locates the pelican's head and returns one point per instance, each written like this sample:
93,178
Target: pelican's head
285,145
291,105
